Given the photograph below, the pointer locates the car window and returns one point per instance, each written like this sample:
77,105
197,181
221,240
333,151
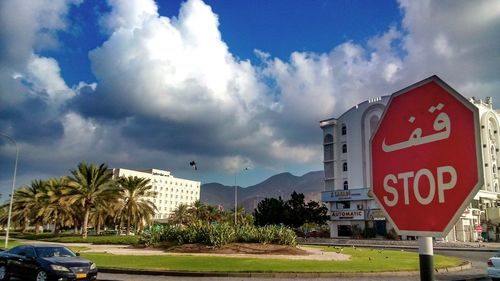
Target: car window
29,252
497,255
16,250
47,252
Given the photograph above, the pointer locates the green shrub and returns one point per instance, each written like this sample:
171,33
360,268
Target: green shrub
221,234
369,232
247,234
218,235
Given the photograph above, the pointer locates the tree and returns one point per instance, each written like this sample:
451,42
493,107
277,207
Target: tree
271,211
294,212
181,215
87,185
55,206
316,213
297,210
198,211
134,197
27,205
105,211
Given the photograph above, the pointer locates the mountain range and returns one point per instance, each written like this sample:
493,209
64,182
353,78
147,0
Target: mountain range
283,184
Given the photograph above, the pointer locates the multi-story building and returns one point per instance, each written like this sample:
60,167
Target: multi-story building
346,146
171,191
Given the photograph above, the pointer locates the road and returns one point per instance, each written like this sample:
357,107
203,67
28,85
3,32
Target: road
478,269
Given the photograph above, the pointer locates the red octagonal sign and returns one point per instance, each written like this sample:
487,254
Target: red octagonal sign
426,158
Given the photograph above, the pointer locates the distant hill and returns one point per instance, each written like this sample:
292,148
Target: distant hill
310,184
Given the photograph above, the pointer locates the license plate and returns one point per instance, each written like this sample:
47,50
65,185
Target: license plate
81,275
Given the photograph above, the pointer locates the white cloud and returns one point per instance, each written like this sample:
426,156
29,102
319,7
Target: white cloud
45,76
236,163
458,40
176,69
27,27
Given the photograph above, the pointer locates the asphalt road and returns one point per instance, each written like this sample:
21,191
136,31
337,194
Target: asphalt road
477,272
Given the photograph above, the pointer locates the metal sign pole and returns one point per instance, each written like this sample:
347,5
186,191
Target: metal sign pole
426,252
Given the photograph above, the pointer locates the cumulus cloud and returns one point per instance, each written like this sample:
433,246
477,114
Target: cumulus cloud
175,69
458,40
180,86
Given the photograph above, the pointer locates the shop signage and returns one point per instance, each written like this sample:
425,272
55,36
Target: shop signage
348,215
345,195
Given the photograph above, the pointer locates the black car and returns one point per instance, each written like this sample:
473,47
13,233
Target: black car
45,262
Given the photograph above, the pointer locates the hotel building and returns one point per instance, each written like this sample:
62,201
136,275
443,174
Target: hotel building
171,191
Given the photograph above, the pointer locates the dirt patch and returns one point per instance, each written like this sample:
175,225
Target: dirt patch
260,251
240,248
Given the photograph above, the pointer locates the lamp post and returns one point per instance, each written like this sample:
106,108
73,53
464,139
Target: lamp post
236,198
12,192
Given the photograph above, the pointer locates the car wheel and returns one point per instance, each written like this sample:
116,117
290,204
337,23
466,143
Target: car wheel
3,272
41,276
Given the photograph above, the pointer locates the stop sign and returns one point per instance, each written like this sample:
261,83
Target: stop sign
426,158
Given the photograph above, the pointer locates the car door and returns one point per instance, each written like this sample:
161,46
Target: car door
23,265
15,261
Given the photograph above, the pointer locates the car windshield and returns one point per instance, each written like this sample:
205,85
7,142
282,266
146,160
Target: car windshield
47,252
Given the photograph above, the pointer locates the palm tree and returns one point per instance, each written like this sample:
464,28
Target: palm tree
136,205
106,209
87,185
198,211
180,215
214,214
27,205
55,204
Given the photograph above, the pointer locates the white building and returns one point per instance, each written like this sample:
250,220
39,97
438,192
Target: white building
346,146
171,191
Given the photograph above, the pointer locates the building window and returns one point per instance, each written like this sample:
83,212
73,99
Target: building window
329,170
344,129
344,205
344,148
328,138
344,167
328,152
346,185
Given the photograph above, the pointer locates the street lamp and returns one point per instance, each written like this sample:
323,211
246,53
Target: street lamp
236,198
12,192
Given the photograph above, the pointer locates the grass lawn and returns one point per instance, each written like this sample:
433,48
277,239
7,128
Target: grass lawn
13,243
362,260
94,239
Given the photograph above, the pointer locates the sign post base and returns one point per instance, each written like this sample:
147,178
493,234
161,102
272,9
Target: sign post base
426,253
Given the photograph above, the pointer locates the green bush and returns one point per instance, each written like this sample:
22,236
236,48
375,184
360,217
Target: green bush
369,232
218,235
247,234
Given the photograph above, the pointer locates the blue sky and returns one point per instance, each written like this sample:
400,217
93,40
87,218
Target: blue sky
229,84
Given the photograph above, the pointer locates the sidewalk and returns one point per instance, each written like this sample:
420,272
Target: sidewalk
402,244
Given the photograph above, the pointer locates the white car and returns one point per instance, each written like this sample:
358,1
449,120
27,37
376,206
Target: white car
494,267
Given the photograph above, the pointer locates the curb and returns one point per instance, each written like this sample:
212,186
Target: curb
405,247
308,275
